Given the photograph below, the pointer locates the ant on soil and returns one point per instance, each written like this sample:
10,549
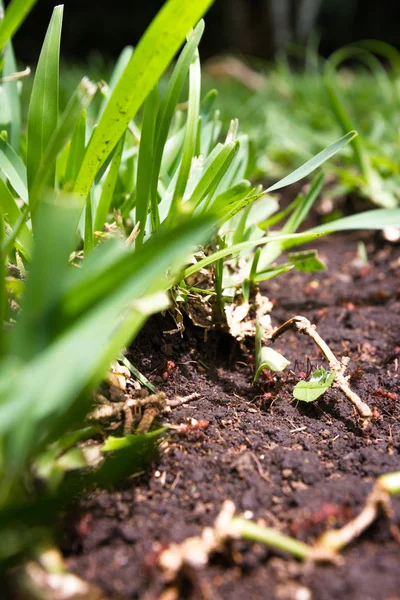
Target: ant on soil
278,380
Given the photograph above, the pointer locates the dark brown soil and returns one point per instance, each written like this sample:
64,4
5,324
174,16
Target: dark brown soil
301,468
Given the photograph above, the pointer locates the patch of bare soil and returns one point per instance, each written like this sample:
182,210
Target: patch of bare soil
302,468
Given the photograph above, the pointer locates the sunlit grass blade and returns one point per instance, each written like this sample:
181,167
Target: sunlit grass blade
12,213
119,68
67,122
43,106
76,152
303,208
153,54
168,106
313,163
14,16
234,250
12,93
14,169
212,175
145,166
108,187
191,133
37,324
370,219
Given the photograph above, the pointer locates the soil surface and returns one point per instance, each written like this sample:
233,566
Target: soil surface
302,468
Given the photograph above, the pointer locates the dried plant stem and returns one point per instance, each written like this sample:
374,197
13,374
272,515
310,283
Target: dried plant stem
303,325
194,552
377,502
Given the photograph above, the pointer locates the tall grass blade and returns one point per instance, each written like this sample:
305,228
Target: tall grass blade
313,163
14,16
43,107
154,52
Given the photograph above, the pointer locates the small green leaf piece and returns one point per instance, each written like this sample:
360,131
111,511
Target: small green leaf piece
307,261
267,358
320,381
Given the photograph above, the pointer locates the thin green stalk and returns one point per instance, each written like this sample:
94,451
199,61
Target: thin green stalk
8,243
248,530
139,376
88,236
189,146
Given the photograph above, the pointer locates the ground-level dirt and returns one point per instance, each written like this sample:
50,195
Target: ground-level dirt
301,468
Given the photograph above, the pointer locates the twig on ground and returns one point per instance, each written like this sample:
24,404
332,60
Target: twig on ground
179,400
377,502
195,552
303,325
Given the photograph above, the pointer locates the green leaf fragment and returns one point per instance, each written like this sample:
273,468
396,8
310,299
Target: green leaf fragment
267,358
320,381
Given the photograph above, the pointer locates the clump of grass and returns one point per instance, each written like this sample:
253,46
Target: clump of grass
100,213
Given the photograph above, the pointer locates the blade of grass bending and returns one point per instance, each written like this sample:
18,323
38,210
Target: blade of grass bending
121,64
301,211
153,54
272,252
370,219
90,343
277,217
213,174
168,106
43,106
76,152
14,16
139,376
14,169
109,187
145,166
67,122
235,249
315,162
56,236
191,133
12,214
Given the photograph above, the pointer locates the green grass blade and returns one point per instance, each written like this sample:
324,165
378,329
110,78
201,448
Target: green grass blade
233,250
119,68
14,169
14,16
153,54
301,211
43,107
54,243
145,166
312,164
12,93
168,106
149,264
67,122
191,133
108,187
12,214
370,219
213,174
76,152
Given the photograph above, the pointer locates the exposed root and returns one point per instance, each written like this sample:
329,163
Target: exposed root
303,325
